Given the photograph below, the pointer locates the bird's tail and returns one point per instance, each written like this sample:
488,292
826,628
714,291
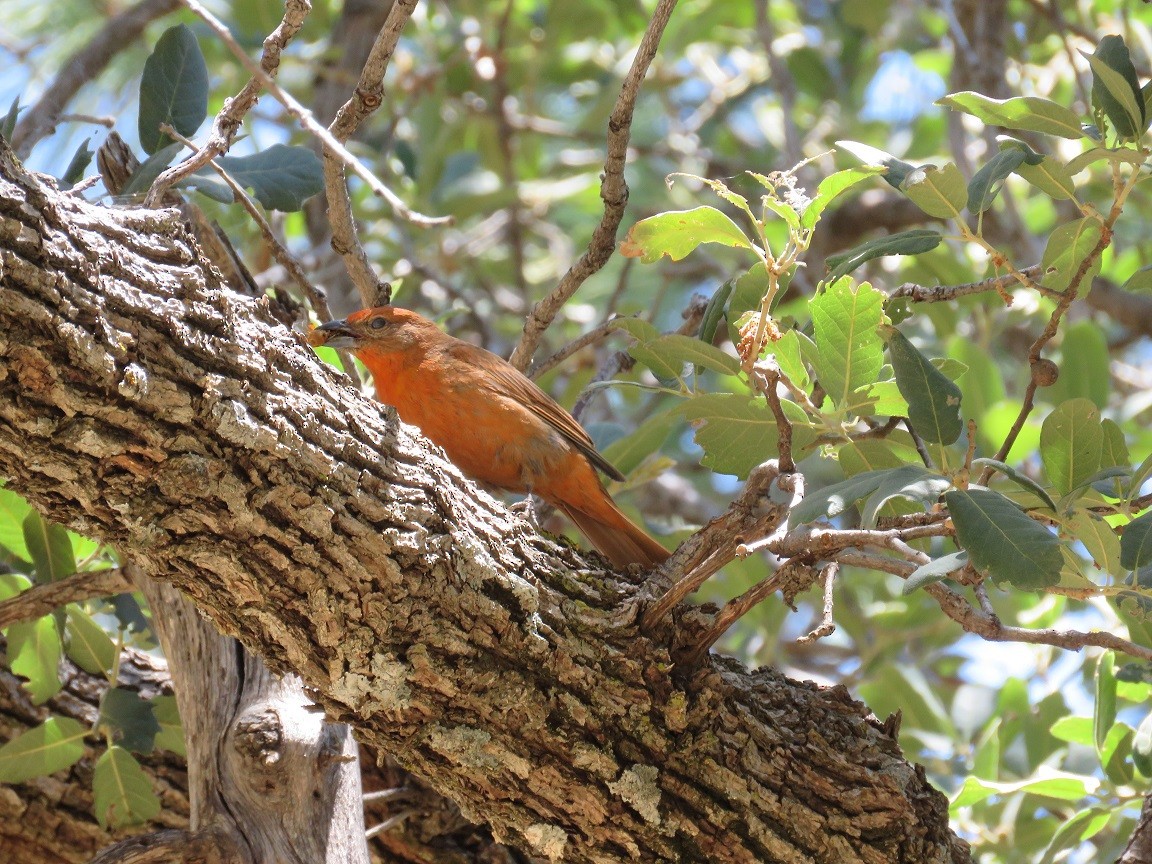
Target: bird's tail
617,537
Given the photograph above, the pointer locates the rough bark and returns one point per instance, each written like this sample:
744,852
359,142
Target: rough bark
142,404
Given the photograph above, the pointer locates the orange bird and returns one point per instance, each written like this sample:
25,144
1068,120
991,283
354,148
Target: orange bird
496,425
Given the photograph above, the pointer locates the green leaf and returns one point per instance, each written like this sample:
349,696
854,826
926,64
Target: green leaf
122,791
50,548
54,745
173,88
1115,87
1136,543
128,719
835,499
903,243
12,584
1028,113
933,400
1099,540
1074,730
662,367
34,653
934,571
1141,747
1071,441
1084,365
985,185
79,162
13,510
1051,177
171,734
714,312
87,643
8,124
1003,542
844,320
1114,753
679,232
871,454
281,177
911,482
628,452
676,350
790,359
1047,783
939,192
1140,282
638,328
1068,247
1104,709
897,169
833,186
747,295
1021,480
1074,830
738,433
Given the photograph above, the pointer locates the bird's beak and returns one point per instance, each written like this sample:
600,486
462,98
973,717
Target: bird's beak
334,334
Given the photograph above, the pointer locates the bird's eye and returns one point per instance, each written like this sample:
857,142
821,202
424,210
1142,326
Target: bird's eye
378,324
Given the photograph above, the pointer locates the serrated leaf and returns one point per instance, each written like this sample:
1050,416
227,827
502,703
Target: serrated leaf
1071,441
281,177
1021,480
173,88
171,734
897,169
832,187
911,242
50,548
122,791
934,571
939,192
1115,87
87,644
13,510
933,400
1136,543
911,482
985,184
128,719
1051,177
679,232
835,499
844,320
738,433
54,745
34,653
1003,542
1029,113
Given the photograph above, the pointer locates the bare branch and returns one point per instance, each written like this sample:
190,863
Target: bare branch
944,293
613,192
39,600
209,846
825,627
118,33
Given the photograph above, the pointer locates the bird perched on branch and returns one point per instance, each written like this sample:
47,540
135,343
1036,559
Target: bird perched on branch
495,424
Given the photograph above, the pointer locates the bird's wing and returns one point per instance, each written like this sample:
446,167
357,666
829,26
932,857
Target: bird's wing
506,380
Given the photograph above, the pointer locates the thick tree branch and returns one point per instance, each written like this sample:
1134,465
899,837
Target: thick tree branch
143,404
39,600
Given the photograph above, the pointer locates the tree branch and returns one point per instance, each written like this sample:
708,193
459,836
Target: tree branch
39,600
506,669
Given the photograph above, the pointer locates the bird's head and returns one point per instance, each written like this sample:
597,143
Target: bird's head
383,329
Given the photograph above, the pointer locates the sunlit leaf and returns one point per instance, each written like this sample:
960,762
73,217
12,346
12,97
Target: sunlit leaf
984,186
122,791
34,653
54,745
1028,113
939,192
1071,441
88,645
844,320
833,186
677,233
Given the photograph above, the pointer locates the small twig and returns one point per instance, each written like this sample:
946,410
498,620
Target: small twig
304,118
365,99
925,457
39,600
613,192
590,338
943,293
825,627
388,824
118,33
227,122
386,794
